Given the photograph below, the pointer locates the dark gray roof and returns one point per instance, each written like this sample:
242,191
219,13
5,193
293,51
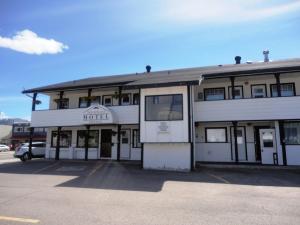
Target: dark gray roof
178,76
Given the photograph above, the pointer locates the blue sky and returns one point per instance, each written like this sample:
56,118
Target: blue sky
44,42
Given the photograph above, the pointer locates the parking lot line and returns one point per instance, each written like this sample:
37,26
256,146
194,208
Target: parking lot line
21,220
219,178
98,166
45,168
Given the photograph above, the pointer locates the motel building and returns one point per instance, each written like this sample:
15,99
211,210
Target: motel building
244,113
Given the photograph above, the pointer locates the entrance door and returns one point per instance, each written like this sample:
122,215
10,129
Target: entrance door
125,144
242,151
106,143
267,145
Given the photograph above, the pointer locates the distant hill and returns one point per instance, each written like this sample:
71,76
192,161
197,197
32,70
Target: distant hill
10,121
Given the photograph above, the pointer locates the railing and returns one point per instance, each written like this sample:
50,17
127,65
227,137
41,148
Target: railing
248,109
74,117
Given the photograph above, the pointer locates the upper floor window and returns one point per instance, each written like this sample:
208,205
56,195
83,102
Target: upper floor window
258,91
125,100
238,92
164,107
286,90
62,104
107,100
83,101
136,99
211,94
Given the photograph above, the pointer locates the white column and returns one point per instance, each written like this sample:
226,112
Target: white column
278,144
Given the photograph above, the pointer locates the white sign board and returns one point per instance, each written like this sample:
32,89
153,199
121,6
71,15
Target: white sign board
97,114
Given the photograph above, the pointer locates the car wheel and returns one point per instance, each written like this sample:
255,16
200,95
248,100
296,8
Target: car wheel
25,157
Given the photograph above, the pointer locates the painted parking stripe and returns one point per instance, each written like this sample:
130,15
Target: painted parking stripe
100,164
45,168
219,178
21,220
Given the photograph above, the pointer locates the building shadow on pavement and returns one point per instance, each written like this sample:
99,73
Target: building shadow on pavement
129,176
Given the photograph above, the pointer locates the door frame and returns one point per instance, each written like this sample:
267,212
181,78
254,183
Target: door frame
100,149
129,143
257,147
245,139
274,146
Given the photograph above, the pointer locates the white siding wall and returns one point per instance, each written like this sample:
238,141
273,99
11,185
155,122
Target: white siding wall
165,156
177,130
293,155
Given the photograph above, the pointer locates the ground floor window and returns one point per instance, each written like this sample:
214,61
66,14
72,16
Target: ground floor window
65,139
292,133
136,139
215,135
93,141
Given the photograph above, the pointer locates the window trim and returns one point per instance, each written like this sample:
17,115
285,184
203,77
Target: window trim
57,101
213,128
129,94
133,144
265,86
286,122
77,146
103,100
145,107
229,92
205,89
135,94
294,89
52,146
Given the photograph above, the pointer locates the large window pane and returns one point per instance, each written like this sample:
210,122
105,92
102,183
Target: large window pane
164,107
292,133
136,139
286,90
65,139
93,141
216,135
214,94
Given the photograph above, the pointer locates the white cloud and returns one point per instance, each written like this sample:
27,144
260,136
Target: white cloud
29,42
225,11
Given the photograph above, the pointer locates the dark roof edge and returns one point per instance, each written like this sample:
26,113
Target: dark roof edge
288,69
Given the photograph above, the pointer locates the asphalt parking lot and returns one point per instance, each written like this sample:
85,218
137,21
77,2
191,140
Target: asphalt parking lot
106,192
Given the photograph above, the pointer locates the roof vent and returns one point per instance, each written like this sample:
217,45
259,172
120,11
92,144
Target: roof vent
266,54
238,59
148,68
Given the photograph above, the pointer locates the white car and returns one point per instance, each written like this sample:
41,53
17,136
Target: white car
37,151
4,148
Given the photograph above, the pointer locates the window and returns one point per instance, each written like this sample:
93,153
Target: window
65,139
63,104
211,94
164,107
136,99
286,90
218,135
238,92
95,100
267,139
83,101
107,100
136,139
292,133
18,129
93,141
125,99
258,91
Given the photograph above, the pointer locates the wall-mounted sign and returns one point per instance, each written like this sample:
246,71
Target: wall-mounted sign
163,127
97,114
